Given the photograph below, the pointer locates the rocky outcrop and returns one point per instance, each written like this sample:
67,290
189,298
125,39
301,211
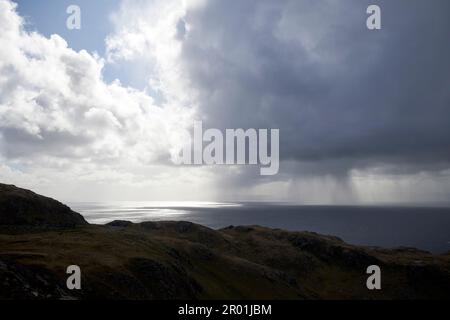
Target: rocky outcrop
20,207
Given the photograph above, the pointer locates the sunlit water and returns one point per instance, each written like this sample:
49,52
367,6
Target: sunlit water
424,228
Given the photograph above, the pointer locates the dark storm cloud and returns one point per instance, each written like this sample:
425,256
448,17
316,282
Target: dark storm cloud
342,95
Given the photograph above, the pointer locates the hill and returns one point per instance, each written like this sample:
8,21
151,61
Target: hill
182,260
20,207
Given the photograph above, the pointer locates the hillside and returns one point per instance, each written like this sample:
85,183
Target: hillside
20,207
181,260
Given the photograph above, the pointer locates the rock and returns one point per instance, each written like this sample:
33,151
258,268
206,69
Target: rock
120,223
20,207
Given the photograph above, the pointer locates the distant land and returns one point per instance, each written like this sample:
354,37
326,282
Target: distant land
40,237
425,228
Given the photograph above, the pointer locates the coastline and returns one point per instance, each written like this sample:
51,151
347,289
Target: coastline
183,261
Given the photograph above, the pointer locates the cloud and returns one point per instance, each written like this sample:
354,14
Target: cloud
150,34
54,103
345,98
335,89
312,69
63,128
357,109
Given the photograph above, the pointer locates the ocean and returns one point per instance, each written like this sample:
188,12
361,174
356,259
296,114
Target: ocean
426,228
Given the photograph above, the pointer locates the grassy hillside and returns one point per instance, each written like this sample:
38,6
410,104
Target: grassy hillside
180,260
40,238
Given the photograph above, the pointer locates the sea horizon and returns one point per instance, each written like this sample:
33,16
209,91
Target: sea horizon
384,225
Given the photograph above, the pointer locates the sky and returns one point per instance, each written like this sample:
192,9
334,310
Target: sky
97,114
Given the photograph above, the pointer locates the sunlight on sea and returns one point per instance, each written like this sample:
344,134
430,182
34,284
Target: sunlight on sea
138,211
426,228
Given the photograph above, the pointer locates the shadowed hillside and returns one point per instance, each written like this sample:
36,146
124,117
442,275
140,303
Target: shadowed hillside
20,207
182,260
